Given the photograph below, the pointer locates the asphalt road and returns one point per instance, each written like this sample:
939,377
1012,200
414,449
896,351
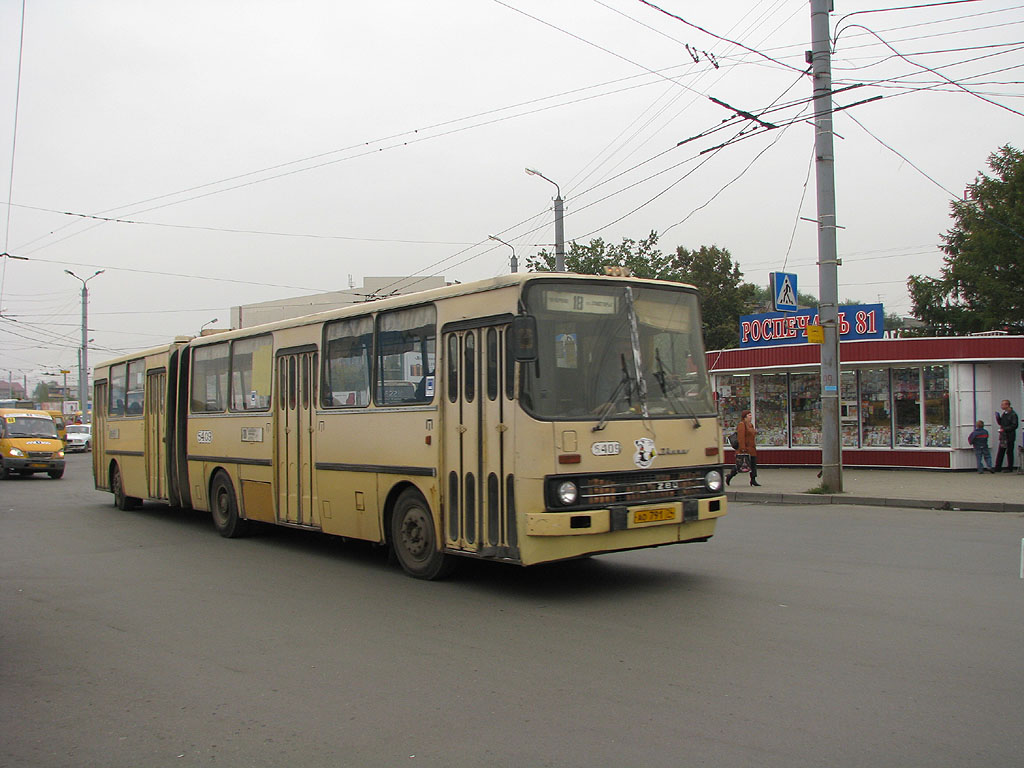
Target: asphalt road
799,636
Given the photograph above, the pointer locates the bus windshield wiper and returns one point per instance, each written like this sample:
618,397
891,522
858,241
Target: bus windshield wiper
659,374
609,405
634,340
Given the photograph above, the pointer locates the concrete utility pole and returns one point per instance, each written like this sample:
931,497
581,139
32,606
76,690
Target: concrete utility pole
828,282
83,361
559,231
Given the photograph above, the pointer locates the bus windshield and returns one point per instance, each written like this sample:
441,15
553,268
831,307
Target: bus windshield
29,426
610,351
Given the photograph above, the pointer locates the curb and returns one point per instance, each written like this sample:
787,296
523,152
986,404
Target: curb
872,501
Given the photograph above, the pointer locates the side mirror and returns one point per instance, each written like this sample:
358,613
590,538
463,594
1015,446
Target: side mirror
524,338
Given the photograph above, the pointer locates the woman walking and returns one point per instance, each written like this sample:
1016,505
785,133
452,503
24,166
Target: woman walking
746,435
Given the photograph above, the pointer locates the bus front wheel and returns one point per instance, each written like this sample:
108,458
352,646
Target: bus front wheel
224,507
414,541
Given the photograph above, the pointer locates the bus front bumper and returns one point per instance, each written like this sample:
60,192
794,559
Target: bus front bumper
593,521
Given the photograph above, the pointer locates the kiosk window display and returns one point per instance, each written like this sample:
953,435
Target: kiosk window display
936,406
879,407
906,387
771,407
805,396
733,399
876,430
849,421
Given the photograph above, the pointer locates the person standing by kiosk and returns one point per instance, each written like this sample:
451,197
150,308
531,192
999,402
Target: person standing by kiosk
746,444
1008,423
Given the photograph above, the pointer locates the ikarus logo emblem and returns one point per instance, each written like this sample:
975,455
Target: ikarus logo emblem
645,452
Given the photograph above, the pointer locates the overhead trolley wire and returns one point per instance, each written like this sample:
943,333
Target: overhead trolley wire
936,72
719,37
900,8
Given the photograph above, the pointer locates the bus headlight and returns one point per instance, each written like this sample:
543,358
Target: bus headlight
713,481
567,493
16,452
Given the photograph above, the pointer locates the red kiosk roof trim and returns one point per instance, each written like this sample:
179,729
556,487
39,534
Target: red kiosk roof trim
940,349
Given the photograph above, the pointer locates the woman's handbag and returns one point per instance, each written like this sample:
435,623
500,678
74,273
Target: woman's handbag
742,462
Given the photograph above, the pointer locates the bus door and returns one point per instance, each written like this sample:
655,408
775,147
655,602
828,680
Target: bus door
293,449
155,420
477,443
99,433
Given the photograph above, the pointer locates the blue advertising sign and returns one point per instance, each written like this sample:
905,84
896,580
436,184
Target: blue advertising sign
783,291
770,329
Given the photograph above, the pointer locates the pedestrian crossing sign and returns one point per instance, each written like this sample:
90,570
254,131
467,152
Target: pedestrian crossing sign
783,286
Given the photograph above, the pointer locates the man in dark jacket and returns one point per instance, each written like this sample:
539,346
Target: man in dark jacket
1008,423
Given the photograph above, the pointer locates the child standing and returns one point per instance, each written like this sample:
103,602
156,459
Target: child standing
979,439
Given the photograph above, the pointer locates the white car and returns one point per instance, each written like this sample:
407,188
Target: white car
79,437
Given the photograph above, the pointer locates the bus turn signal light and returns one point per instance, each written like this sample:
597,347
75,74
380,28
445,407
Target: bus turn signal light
568,458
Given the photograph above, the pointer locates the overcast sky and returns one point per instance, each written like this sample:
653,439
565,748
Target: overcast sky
260,150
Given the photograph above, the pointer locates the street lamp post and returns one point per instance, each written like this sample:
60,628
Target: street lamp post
203,326
515,263
559,232
83,362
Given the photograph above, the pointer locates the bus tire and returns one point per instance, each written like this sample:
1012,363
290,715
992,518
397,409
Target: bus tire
121,501
224,508
413,538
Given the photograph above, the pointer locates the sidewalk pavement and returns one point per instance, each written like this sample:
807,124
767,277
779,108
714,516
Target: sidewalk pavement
928,489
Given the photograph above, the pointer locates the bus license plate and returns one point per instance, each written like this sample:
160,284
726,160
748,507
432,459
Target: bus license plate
660,515
37,466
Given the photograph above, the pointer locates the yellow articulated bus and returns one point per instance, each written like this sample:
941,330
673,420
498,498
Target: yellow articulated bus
523,419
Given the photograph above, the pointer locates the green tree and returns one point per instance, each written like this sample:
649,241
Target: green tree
641,257
982,276
41,393
724,295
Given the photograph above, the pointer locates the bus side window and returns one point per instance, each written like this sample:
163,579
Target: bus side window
453,367
405,355
492,363
347,363
210,378
136,387
118,381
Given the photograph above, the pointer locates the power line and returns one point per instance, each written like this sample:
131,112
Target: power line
900,8
719,37
178,274
728,184
937,51
230,230
592,44
953,196
936,72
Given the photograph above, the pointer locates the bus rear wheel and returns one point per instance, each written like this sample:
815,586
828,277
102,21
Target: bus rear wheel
224,508
413,538
121,501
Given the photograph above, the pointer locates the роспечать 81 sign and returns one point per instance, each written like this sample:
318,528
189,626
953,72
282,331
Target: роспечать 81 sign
769,329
